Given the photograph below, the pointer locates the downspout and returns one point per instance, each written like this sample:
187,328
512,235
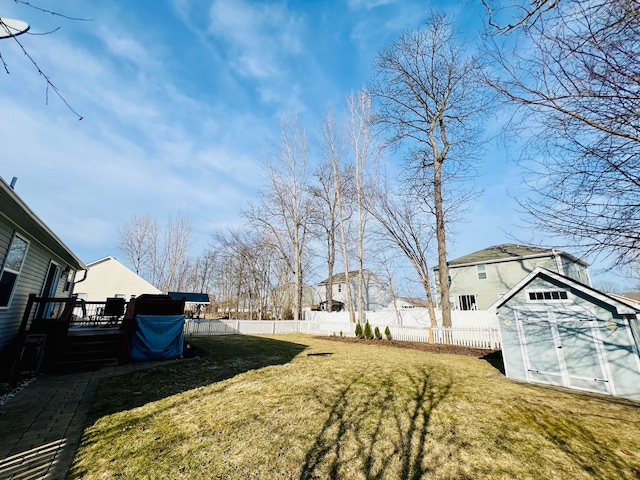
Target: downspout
558,261
75,282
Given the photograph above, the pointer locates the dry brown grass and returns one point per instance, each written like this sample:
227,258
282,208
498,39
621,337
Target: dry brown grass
305,408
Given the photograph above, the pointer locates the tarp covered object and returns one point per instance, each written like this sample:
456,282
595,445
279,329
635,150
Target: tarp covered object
157,337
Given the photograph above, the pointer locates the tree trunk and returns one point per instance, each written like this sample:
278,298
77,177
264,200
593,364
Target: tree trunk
443,270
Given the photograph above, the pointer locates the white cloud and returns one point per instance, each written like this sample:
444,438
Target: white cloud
260,36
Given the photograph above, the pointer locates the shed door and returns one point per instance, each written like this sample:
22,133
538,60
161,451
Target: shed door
582,355
562,351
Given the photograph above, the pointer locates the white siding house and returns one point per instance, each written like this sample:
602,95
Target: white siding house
108,277
33,260
376,294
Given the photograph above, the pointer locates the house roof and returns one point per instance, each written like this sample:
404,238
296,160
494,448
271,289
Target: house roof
621,307
17,214
340,277
190,297
417,302
509,251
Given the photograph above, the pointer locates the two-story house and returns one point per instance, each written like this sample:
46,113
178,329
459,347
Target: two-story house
480,278
376,295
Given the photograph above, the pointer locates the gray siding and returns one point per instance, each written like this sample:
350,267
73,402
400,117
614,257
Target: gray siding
31,280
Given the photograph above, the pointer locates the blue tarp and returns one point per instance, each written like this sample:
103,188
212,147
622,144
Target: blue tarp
157,337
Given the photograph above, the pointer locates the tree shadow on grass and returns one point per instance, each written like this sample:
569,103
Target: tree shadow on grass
221,358
596,457
383,435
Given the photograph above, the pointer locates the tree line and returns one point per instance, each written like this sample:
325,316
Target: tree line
572,88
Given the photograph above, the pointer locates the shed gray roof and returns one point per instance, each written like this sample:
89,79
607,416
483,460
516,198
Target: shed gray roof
508,251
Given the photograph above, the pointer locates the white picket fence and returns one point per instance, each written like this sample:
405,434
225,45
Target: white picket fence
485,337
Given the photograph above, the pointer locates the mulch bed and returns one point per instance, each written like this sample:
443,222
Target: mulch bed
425,347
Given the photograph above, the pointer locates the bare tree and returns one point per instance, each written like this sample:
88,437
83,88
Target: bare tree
365,152
134,242
408,228
431,102
159,256
334,180
9,33
285,207
576,83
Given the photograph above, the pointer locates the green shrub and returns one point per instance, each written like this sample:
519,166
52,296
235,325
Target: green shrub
340,333
367,331
377,334
358,330
387,333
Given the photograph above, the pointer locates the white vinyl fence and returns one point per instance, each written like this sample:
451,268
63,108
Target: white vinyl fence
487,337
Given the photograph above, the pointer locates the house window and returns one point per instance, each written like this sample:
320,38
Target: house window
548,295
339,288
482,272
11,269
467,302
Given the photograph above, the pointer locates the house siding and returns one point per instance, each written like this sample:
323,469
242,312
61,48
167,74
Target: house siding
501,276
108,278
31,280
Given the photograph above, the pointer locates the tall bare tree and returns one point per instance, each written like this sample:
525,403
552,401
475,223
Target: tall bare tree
365,153
407,227
431,102
159,255
333,182
285,207
134,242
574,75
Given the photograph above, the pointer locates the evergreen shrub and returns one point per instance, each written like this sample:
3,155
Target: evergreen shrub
377,334
368,334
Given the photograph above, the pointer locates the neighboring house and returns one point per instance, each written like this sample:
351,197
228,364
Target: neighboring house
376,295
107,278
33,260
408,302
479,279
558,331
283,298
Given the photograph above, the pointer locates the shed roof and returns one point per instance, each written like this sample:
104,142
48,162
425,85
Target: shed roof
621,307
17,214
509,251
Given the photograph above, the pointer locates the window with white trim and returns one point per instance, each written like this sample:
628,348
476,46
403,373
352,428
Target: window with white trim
545,295
11,269
482,272
467,302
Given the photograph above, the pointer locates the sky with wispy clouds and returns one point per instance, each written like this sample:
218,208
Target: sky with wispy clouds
180,99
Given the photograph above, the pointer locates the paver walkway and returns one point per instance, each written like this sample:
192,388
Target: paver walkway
41,427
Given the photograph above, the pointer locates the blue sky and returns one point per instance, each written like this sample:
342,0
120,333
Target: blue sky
179,100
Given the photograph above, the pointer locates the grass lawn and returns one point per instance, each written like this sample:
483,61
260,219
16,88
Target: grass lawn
298,407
